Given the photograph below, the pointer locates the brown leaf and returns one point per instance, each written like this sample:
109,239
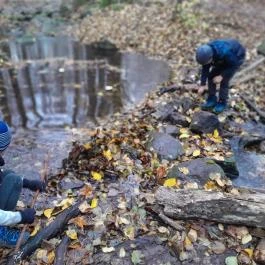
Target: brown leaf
161,172
79,221
86,191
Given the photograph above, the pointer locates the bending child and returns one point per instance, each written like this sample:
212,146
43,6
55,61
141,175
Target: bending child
219,58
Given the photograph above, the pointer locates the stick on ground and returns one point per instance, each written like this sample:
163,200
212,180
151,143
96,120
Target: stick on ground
48,232
61,251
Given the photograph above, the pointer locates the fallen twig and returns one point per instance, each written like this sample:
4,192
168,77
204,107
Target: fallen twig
253,106
46,233
61,251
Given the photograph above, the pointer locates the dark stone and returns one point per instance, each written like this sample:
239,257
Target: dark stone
152,250
187,104
176,118
71,184
104,44
249,162
165,146
199,170
229,166
204,122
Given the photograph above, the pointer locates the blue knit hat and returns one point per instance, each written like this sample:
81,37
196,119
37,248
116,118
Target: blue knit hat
204,54
5,136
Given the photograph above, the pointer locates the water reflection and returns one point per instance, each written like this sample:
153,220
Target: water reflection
55,82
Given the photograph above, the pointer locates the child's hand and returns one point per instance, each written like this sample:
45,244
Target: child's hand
27,216
217,79
201,89
34,185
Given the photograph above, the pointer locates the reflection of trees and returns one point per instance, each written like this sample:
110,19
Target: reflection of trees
19,98
31,84
92,95
78,91
4,100
76,96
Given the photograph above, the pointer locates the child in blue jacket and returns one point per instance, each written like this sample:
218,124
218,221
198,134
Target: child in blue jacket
10,187
221,57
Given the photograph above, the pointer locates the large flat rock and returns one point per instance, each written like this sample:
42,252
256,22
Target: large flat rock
166,146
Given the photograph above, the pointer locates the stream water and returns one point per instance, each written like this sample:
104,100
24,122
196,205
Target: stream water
55,83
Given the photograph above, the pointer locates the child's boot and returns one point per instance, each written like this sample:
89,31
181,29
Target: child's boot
220,107
210,103
9,236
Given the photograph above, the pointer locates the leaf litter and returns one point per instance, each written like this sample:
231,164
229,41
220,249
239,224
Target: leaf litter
113,159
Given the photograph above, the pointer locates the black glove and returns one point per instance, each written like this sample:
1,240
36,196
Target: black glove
27,216
34,185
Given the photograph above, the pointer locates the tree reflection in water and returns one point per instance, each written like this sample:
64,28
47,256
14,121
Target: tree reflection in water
55,82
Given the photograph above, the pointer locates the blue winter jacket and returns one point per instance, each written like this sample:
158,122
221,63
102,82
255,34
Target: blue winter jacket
228,55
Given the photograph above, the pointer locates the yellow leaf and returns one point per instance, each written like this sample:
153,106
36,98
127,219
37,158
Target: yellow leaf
94,203
215,133
210,185
65,203
107,154
184,170
87,146
249,251
170,182
187,242
41,254
129,232
183,130
96,176
196,153
184,135
35,230
71,233
48,213
51,257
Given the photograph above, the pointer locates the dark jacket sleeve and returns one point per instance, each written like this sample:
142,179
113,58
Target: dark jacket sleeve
205,74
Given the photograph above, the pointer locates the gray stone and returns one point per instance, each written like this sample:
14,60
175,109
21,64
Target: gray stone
204,122
166,146
199,170
171,130
67,184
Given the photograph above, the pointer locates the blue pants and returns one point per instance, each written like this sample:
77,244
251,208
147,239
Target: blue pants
10,188
224,86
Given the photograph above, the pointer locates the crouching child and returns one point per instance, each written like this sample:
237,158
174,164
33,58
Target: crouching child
11,185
